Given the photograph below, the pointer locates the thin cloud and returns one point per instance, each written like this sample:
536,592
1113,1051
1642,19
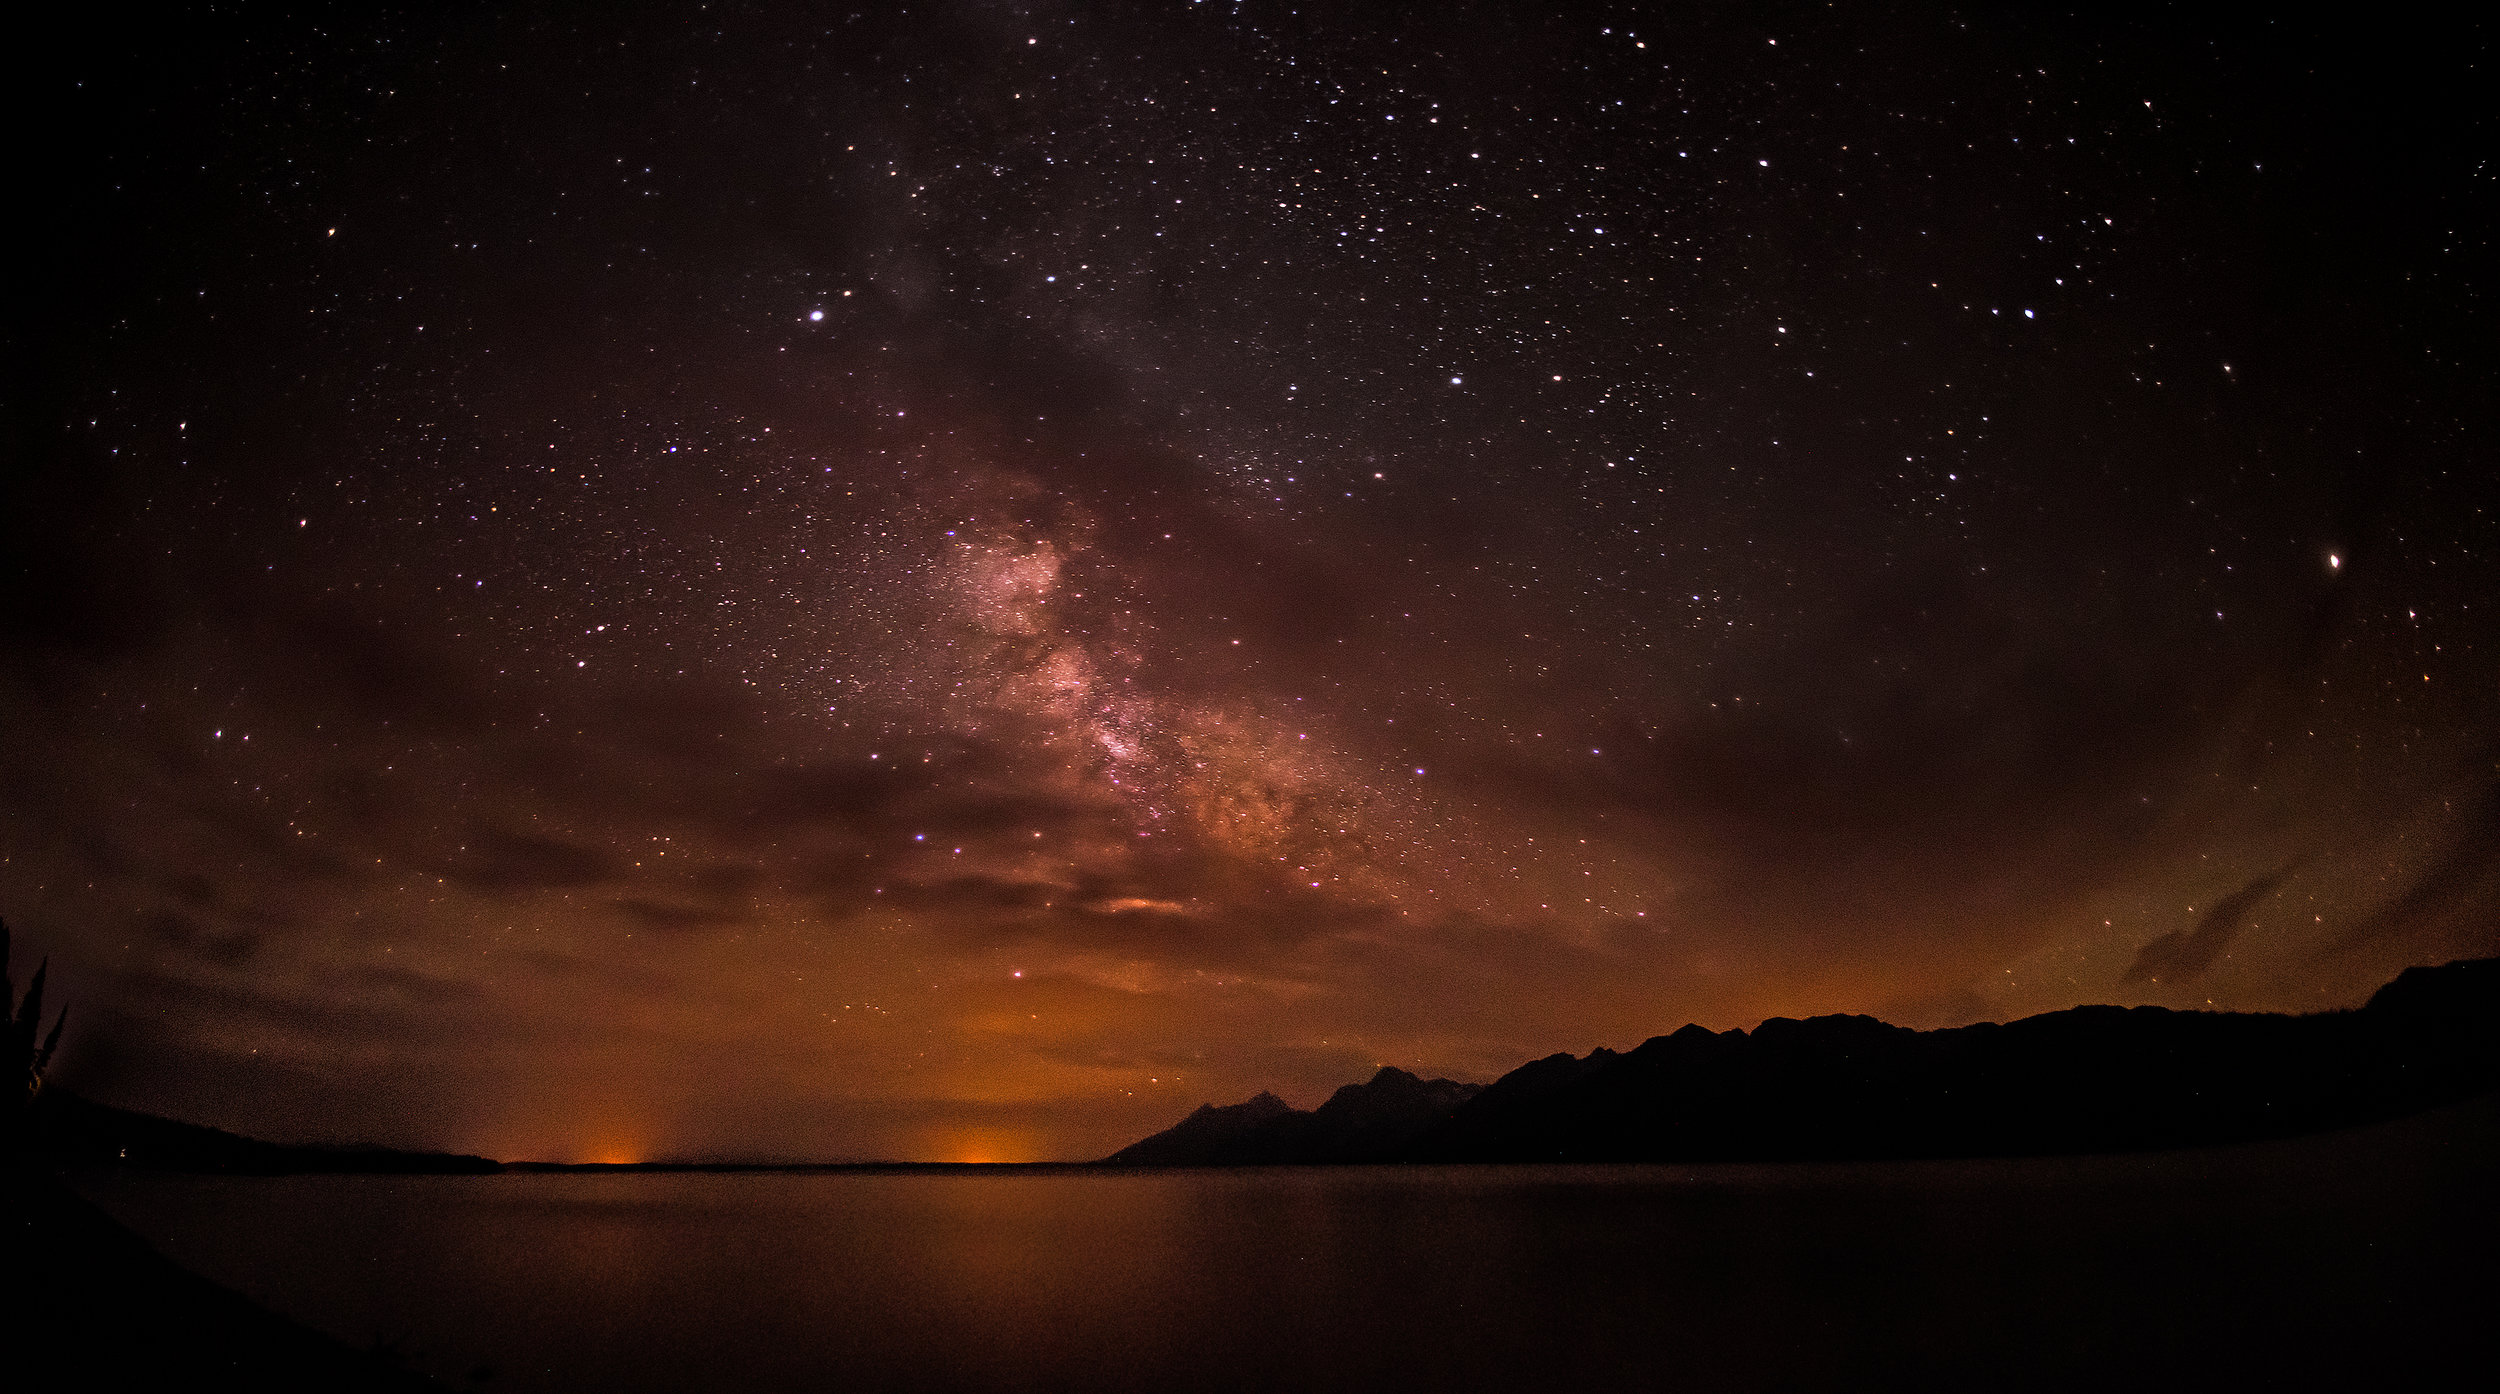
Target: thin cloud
2183,955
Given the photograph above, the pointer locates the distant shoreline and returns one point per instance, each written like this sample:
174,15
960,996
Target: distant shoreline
801,1167
72,1171
2081,1082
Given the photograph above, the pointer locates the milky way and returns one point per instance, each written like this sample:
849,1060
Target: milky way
956,582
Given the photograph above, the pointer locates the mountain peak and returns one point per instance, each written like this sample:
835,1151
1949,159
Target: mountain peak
2087,1079
1360,1122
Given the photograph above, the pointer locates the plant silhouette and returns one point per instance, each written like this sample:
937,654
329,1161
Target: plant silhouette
25,1060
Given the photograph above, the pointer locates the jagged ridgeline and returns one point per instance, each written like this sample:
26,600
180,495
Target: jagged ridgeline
2090,1079
1371,1122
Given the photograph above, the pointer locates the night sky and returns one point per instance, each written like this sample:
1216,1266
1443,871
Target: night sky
953,582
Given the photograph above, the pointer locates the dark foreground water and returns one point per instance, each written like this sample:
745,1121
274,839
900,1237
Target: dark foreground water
2360,1259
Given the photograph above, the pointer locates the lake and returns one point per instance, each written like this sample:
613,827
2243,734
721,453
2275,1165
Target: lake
2362,1257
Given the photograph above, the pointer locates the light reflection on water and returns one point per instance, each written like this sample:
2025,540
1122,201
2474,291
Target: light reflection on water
2299,1259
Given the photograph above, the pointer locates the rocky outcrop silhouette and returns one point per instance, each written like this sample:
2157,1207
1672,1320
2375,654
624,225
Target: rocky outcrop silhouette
2089,1079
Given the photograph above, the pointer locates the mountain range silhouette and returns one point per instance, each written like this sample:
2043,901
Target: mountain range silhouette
2088,1079
1370,1122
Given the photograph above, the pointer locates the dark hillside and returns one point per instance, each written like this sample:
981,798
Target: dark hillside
2089,1079
71,1130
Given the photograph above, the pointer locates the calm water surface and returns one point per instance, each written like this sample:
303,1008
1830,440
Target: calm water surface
2354,1259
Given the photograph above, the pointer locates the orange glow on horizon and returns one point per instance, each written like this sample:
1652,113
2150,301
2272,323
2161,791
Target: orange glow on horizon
986,1145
